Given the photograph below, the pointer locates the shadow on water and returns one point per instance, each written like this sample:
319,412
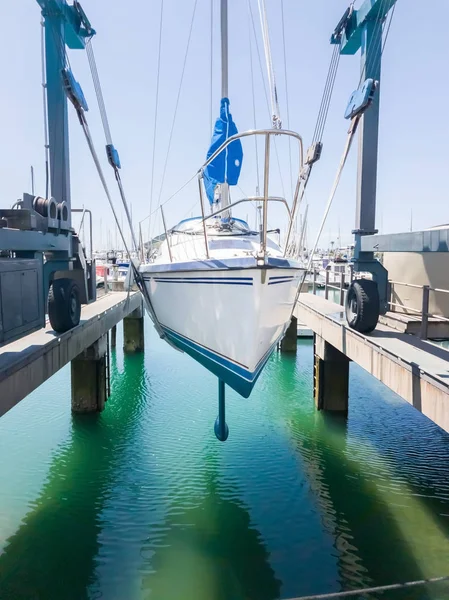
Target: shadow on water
373,545
53,553
210,551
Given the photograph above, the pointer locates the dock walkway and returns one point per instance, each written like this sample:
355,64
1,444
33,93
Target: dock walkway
416,370
26,363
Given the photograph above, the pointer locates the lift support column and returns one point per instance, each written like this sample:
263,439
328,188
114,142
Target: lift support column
90,378
133,332
331,377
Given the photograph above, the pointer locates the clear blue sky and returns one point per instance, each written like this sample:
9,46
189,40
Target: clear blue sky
414,132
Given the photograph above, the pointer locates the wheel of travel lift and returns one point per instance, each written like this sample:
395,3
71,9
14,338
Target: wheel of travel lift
64,305
362,305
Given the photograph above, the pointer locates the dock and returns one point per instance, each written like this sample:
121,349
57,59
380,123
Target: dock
26,363
415,369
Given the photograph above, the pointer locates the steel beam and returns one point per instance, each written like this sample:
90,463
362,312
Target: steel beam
17,240
415,241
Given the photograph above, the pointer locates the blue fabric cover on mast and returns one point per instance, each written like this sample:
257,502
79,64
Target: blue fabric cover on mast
226,167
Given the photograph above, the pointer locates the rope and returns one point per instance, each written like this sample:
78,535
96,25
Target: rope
372,590
275,112
153,153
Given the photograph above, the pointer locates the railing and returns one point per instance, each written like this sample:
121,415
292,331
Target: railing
423,312
265,199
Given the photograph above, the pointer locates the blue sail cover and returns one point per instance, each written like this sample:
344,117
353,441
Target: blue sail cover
226,167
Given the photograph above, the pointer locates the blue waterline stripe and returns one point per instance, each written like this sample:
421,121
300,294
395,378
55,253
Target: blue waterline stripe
217,282
226,362
281,281
282,277
203,278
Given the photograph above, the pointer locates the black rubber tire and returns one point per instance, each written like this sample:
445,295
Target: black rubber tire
64,305
362,305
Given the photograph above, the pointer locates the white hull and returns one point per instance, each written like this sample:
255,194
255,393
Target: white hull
229,319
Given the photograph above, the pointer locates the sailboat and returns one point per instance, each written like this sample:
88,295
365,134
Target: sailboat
219,290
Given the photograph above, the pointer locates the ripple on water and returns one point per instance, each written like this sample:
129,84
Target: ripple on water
148,504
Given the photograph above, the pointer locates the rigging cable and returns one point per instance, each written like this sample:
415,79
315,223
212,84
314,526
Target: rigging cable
153,152
177,101
286,97
265,92
254,104
211,67
275,112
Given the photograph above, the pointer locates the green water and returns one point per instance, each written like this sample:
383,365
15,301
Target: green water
142,502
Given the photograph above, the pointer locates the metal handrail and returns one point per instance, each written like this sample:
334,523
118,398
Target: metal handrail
250,132
292,213
415,285
89,212
249,199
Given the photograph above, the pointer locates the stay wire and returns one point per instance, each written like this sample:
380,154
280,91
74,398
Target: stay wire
266,93
177,100
253,101
153,151
286,97
276,117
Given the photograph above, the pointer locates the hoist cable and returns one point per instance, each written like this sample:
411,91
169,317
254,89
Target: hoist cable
98,91
327,95
351,134
370,61
100,172
275,112
137,275
108,136
156,108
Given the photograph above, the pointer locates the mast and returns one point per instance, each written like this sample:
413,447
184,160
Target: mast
224,188
224,48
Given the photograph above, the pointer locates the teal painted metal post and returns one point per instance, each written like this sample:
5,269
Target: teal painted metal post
371,49
58,127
